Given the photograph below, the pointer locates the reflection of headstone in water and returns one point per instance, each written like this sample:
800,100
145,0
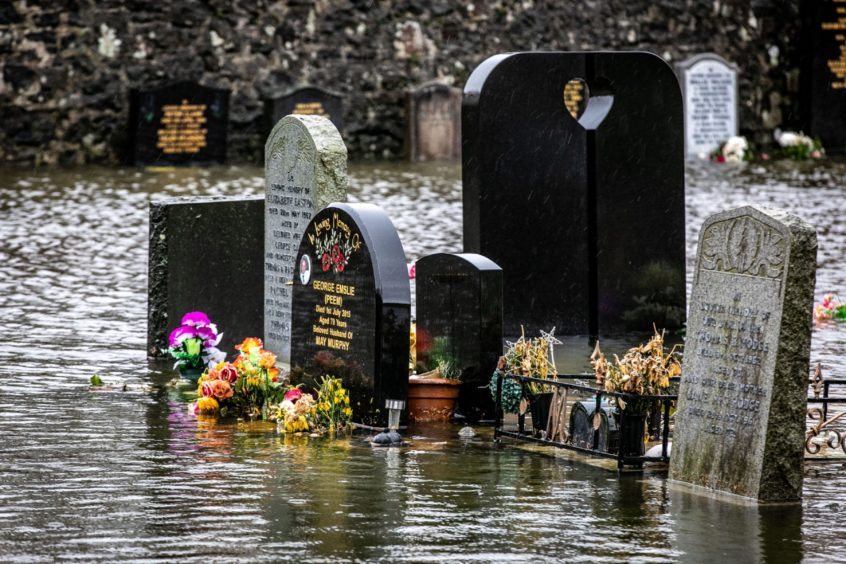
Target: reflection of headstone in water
433,123
709,84
305,170
352,309
176,124
740,424
585,216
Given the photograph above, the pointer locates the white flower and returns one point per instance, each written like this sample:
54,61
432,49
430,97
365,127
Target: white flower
287,406
213,356
734,149
792,139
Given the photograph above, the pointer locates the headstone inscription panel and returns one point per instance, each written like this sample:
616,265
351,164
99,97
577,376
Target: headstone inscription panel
352,308
305,170
740,424
433,123
585,216
180,123
823,72
306,101
187,235
709,83
459,317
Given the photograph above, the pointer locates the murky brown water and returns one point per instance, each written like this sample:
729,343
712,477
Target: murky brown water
130,475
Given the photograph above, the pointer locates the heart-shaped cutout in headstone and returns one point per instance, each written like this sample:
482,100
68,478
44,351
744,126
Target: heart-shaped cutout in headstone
588,104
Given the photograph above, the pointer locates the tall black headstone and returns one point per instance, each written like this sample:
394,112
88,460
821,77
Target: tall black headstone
180,123
306,100
823,72
351,308
585,216
459,302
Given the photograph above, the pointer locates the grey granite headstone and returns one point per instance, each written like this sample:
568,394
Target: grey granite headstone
433,122
709,83
305,170
204,256
740,423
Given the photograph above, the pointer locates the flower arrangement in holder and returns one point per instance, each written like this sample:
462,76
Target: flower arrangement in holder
301,412
733,150
798,146
830,308
194,344
532,357
644,370
247,387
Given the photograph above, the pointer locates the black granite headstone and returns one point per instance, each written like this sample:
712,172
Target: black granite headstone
180,123
823,72
307,100
203,256
459,303
351,308
585,216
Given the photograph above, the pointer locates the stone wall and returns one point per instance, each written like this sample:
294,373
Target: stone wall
67,65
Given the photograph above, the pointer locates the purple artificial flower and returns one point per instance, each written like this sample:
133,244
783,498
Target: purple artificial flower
195,318
209,336
180,334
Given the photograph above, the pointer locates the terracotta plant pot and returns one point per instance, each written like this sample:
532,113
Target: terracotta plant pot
432,399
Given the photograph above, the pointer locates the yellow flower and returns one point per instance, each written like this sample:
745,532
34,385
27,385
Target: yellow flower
347,411
346,400
207,405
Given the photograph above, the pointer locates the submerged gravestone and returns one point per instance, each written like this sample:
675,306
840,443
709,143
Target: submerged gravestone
180,123
585,216
709,83
203,257
433,122
740,424
305,170
352,309
306,101
459,321
822,74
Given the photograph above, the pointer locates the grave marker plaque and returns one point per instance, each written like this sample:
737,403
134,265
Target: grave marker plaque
585,216
307,100
433,123
823,72
459,315
352,308
740,425
709,83
180,123
305,170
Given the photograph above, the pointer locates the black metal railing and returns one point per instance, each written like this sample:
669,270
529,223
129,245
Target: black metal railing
567,382
834,439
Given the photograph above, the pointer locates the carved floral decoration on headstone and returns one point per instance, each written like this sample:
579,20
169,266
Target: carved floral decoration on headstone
743,246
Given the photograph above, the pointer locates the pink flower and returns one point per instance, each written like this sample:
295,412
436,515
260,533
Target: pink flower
195,318
228,373
219,389
293,395
412,271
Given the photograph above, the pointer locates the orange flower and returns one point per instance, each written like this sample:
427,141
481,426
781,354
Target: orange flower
267,359
248,345
219,389
273,373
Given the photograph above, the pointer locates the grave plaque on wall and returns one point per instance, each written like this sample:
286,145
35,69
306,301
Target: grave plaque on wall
433,123
740,424
823,72
585,215
352,309
709,84
307,101
181,123
459,322
305,170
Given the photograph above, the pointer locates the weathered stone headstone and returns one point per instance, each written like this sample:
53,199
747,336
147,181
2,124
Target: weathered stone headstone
459,316
180,123
305,167
203,256
306,100
351,308
433,122
585,216
740,424
823,72
709,83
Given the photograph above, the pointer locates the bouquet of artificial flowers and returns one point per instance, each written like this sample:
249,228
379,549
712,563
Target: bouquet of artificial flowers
194,343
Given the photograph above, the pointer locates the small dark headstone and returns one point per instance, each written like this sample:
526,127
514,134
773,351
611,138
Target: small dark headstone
459,317
585,216
433,123
823,72
709,83
181,123
740,424
203,256
306,101
351,308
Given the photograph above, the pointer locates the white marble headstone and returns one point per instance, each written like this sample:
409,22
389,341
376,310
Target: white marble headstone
710,102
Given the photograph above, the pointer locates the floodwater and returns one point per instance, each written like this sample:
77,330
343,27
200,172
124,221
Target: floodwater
127,474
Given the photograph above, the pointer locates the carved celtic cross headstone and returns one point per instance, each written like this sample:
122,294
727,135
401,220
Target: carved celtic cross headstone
741,412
